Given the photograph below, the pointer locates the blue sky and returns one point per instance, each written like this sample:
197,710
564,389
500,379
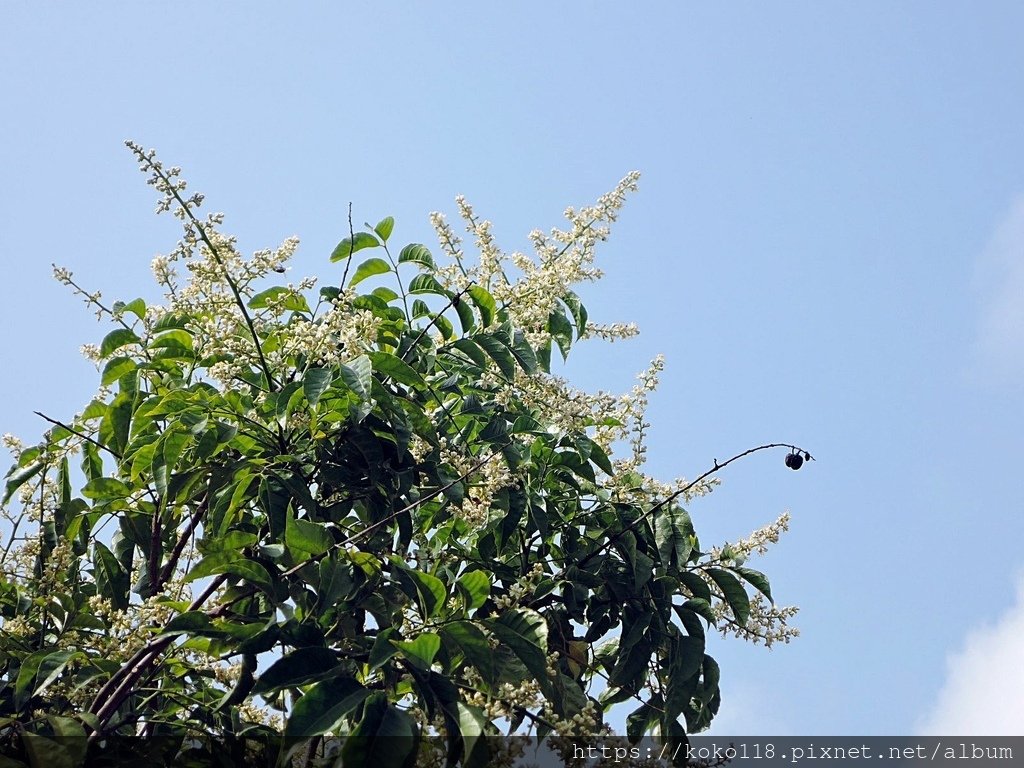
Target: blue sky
828,246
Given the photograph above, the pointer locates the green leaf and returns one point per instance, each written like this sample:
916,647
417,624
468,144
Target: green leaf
484,302
45,753
523,352
396,368
116,368
116,422
687,657
231,563
190,622
430,589
712,674
382,648
170,320
112,581
386,737
51,667
702,608
420,309
64,482
315,382
294,302
757,580
697,586
176,339
165,459
638,721
525,632
18,477
117,338
632,666
472,726
475,587
23,685
105,488
561,331
672,532
474,646
422,650
306,537
471,350
600,458
635,633
300,667
544,356
466,318
417,254
358,375
336,582
498,352
384,228
369,268
384,293
348,246
137,307
444,325
579,312
322,708
734,593
71,735
424,283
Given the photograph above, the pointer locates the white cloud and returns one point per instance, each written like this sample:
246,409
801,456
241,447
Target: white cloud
1000,282
983,694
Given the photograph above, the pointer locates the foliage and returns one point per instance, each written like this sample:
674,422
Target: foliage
290,515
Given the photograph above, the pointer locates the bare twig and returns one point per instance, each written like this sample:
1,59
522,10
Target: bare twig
351,247
80,434
172,560
673,496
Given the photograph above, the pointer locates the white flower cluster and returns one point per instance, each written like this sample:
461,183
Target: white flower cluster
485,476
93,299
758,541
249,712
562,259
489,267
767,623
339,335
563,407
522,588
13,444
610,331
91,352
507,698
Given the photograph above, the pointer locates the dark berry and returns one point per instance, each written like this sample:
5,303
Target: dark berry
796,461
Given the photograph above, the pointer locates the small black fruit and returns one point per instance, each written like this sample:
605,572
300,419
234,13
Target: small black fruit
794,461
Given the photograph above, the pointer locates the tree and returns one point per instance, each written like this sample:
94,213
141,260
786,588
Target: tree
289,516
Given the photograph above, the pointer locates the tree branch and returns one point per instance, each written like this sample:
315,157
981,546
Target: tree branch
113,693
673,496
179,547
77,433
